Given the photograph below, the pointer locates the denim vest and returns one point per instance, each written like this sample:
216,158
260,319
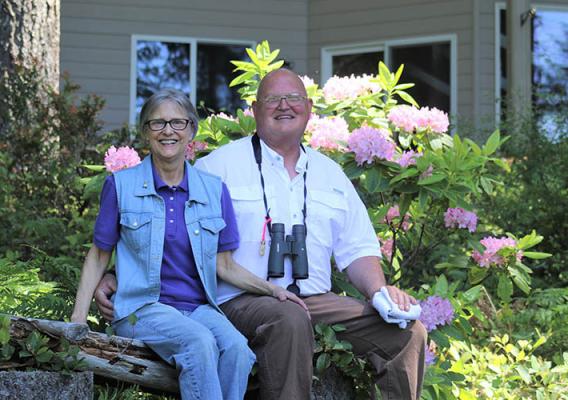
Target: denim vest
140,247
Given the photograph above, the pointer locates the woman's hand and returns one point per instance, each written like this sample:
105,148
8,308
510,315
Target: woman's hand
283,295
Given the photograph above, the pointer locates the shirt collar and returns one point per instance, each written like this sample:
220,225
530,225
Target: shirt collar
159,183
273,157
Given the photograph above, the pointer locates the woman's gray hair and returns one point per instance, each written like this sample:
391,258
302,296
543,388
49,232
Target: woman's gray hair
172,95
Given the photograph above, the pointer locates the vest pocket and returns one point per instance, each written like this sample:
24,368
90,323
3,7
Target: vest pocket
135,229
210,228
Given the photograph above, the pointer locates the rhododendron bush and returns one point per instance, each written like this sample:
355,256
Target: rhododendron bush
420,182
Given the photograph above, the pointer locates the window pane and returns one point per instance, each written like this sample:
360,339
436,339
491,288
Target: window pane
214,73
428,66
357,64
550,67
160,65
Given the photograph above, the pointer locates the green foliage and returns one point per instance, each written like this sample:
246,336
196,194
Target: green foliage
507,370
332,351
37,350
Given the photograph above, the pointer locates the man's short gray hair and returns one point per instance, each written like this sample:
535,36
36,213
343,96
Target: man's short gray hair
172,95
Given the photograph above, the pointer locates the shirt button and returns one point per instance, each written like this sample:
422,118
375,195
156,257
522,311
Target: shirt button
171,221
291,189
196,231
295,215
135,223
171,197
171,210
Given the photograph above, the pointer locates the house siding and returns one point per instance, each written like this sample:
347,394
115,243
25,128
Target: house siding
334,22
96,37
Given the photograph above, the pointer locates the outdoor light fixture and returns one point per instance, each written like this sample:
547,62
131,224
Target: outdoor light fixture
530,13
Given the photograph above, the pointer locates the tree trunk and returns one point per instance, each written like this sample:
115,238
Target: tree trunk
30,35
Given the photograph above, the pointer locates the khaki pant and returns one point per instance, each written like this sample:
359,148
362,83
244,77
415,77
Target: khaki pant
281,335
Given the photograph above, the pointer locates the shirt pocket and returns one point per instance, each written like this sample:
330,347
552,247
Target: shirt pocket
249,210
210,228
136,229
327,211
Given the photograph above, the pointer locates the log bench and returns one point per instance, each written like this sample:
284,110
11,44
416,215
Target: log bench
128,360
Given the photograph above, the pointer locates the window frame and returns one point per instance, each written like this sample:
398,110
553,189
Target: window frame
193,42
499,6
385,46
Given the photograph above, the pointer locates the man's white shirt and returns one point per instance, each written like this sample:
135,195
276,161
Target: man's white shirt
337,221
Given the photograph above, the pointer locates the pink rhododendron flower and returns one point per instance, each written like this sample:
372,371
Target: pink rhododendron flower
492,246
121,158
328,133
394,212
410,119
369,143
307,81
386,247
436,311
225,116
193,148
349,87
248,112
460,218
408,158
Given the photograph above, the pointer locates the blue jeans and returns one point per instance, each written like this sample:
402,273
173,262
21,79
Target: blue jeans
211,356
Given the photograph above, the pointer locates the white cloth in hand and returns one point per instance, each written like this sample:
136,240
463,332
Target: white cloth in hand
390,312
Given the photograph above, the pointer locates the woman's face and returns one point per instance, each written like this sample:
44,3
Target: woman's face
168,143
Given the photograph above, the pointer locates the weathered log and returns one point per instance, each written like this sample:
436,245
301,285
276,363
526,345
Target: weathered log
112,357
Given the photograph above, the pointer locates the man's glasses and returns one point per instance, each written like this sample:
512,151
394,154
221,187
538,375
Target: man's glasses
176,124
293,99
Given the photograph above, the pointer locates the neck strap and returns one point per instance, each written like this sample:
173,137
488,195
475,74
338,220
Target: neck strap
258,158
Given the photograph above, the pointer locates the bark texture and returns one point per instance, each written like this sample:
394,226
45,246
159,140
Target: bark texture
30,35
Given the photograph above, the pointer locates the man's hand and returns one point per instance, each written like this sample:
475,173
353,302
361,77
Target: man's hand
401,298
283,295
103,292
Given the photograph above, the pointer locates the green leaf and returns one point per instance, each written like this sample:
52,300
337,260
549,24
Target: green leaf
323,362
441,287
406,97
505,288
492,143
524,373
477,274
375,181
96,168
536,255
434,178
520,278
132,319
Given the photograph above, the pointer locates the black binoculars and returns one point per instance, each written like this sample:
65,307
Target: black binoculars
293,245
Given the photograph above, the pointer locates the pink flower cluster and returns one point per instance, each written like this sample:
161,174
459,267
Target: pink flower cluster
436,311
307,81
492,246
349,87
248,112
386,247
369,143
394,212
225,116
121,158
328,133
193,148
460,218
411,119
408,158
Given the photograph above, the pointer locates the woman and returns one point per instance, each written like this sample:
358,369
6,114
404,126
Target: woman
168,221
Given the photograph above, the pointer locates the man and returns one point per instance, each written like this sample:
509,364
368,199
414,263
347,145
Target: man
287,183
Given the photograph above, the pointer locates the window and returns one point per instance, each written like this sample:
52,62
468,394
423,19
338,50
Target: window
199,68
429,62
549,62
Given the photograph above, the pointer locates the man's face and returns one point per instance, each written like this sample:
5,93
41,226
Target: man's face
282,109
